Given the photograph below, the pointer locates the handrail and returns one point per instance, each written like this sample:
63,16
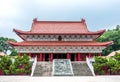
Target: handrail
34,65
89,63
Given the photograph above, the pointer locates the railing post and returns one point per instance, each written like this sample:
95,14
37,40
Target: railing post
34,65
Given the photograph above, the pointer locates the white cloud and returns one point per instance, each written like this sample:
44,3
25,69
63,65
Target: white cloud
18,13
85,4
8,8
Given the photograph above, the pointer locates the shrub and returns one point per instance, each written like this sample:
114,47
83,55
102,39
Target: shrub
7,72
21,65
108,66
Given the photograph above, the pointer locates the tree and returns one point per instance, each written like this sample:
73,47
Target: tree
14,52
4,46
111,35
117,27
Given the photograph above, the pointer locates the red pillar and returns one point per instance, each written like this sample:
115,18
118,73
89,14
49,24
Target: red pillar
100,54
41,57
89,55
75,59
68,56
78,56
19,54
51,57
30,54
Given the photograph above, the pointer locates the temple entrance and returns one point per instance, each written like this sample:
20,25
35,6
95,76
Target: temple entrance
46,57
83,56
59,56
72,57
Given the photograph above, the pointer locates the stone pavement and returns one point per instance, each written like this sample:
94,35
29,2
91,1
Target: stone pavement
60,79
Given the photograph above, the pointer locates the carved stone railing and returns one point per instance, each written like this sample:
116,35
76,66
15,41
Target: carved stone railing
34,65
89,63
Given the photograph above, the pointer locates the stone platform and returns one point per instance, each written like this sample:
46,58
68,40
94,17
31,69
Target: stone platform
60,79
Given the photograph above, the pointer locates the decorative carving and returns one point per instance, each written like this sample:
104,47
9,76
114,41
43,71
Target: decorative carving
60,49
60,37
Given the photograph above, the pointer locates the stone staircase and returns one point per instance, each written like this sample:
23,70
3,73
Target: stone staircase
43,69
81,69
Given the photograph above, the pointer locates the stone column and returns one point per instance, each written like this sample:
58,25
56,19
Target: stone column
51,57
68,56
78,56
41,57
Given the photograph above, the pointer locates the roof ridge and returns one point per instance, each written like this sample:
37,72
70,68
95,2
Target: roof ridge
35,20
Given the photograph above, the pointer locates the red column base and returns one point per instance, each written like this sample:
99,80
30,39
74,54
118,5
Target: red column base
78,56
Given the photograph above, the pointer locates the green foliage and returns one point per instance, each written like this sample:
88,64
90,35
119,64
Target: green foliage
111,62
111,65
101,60
5,62
117,57
111,35
7,72
14,52
4,46
21,65
0,49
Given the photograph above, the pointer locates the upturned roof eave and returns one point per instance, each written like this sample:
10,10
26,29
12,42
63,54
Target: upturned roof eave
19,32
36,43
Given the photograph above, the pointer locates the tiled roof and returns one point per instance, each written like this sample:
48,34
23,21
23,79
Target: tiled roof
58,27
113,53
59,43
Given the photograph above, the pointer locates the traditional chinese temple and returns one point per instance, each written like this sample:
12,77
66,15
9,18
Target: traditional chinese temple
50,40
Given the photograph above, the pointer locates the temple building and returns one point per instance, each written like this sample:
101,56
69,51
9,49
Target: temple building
50,40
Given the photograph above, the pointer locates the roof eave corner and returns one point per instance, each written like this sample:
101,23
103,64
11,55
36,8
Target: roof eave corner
101,32
104,30
10,43
15,30
110,43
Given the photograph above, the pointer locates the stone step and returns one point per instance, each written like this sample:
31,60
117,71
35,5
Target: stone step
43,69
81,69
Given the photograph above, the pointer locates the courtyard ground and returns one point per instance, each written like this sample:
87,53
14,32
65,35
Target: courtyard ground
60,79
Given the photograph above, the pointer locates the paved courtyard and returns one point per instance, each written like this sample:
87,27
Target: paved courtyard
60,79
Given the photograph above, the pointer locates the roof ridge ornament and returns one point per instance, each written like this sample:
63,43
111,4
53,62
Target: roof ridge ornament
35,20
83,20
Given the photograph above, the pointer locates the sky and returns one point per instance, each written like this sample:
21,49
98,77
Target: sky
19,14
